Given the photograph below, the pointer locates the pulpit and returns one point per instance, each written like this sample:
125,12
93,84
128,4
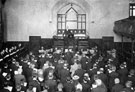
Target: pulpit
71,38
68,39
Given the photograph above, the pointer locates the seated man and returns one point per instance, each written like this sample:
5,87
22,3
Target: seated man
41,51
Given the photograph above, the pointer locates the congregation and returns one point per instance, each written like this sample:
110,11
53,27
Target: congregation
59,70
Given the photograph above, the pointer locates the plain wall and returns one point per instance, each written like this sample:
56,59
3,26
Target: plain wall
26,18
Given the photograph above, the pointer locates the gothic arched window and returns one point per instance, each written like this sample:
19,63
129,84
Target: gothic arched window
71,17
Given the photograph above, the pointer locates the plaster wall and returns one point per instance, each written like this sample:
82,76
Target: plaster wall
39,17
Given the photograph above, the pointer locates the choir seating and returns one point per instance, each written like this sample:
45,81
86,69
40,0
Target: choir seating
80,40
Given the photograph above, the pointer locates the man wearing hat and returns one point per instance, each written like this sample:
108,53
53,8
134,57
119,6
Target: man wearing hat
42,60
112,75
59,67
35,83
128,87
88,79
68,57
123,72
19,78
28,72
80,72
84,61
64,73
51,83
98,86
68,85
102,76
48,69
56,54
77,84
86,84
131,76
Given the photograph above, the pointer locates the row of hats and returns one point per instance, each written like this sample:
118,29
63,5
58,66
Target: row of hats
76,77
6,50
10,54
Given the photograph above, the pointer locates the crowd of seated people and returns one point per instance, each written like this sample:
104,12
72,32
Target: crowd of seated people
59,70
7,55
7,52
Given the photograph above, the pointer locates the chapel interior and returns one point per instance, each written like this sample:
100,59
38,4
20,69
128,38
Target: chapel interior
31,26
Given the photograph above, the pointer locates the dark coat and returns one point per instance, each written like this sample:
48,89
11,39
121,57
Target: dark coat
101,88
84,61
4,90
104,78
69,57
1,81
132,78
112,76
86,87
41,62
69,87
46,72
123,75
64,73
52,85
117,88
58,69
35,83
80,73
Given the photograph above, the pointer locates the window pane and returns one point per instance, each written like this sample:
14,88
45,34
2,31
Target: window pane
59,25
72,25
83,25
71,15
63,18
130,13
83,18
134,12
79,18
63,25
59,18
79,25
130,7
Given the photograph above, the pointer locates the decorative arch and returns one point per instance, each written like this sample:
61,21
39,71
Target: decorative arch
75,7
60,4
73,18
83,4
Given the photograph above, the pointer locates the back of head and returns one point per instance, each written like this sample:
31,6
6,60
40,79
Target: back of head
98,82
128,84
132,72
116,80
